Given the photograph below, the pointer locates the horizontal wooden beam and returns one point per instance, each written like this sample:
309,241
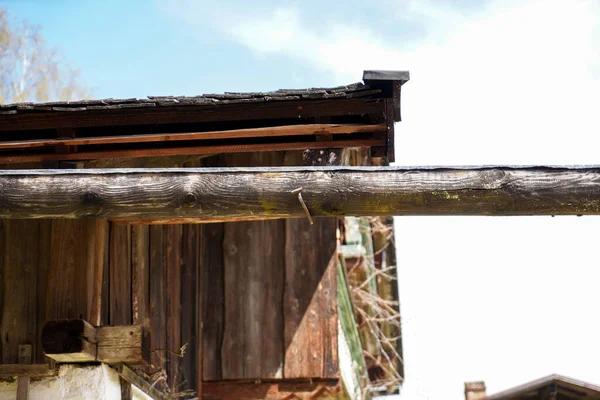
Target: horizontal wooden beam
275,131
281,389
31,370
192,114
187,150
209,194
75,340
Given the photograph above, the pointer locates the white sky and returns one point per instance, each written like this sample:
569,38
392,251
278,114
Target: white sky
505,300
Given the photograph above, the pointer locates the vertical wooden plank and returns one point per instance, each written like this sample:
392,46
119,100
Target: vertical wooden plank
67,294
189,306
173,250
18,324
126,391
2,286
120,274
310,299
158,294
42,284
25,356
254,275
212,299
96,258
140,277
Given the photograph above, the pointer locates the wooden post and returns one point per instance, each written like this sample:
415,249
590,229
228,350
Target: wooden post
219,194
25,351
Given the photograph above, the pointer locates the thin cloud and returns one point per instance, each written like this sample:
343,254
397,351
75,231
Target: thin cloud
513,83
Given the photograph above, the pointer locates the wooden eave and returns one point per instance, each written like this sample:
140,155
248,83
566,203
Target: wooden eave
360,114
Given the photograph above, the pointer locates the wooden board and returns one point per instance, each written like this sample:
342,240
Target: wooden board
212,292
254,263
72,268
190,325
173,242
310,299
157,295
140,275
273,390
192,114
287,130
18,315
120,275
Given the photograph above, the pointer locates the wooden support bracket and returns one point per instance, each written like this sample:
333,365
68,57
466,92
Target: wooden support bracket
76,341
128,375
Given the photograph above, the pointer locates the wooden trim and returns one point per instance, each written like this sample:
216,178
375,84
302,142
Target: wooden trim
191,114
287,130
220,193
31,370
178,151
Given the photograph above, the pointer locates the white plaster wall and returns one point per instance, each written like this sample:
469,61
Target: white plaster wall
73,382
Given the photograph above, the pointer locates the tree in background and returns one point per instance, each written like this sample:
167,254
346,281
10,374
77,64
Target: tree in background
29,70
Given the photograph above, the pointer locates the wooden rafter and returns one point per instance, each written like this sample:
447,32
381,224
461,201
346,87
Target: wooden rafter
209,194
286,130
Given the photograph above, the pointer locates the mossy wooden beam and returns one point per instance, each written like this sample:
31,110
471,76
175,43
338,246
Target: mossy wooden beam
208,194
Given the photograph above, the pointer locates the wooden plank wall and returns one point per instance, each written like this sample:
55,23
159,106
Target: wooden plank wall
263,292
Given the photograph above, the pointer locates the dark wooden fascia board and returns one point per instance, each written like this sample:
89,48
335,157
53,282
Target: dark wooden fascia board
191,114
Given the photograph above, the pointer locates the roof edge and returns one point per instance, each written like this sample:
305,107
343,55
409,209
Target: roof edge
383,75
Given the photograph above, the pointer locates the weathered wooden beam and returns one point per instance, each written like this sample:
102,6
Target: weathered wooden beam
129,375
16,158
209,194
280,389
274,131
192,114
31,370
75,340
129,344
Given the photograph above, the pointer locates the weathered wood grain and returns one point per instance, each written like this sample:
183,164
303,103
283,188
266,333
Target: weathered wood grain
128,344
45,253
254,264
286,130
310,299
212,292
71,269
274,390
184,150
189,306
140,275
75,340
120,275
32,370
192,114
218,193
157,295
98,259
173,236
140,382
18,315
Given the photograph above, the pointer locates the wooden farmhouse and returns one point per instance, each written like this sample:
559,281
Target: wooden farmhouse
225,246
